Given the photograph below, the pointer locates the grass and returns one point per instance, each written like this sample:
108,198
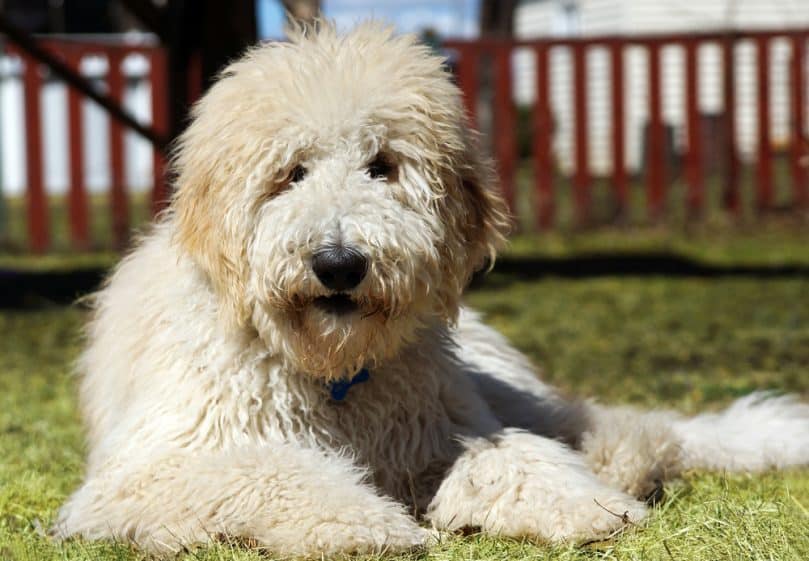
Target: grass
14,221
61,255
690,344
769,243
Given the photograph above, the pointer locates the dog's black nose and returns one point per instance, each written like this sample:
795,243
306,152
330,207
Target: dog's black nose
339,268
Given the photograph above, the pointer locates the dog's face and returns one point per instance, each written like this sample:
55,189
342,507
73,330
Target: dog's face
331,192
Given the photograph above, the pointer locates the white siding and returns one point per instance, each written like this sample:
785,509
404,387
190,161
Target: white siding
649,16
599,17
533,19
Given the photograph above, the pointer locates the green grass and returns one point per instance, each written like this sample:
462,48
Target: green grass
768,243
14,234
686,342
683,343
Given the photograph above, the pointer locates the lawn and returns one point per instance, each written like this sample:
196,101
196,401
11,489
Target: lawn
684,343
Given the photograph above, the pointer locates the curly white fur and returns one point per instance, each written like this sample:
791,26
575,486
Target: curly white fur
204,381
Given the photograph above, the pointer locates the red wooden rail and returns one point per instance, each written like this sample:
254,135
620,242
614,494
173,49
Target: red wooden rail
38,229
800,145
470,54
695,174
72,52
543,122
581,179
504,118
620,178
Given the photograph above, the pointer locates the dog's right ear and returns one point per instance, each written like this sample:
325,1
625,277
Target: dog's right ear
203,229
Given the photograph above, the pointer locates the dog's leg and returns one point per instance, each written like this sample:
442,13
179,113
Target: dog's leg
523,485
289,500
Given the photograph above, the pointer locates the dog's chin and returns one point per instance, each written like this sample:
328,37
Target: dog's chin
336,305
337,335
334,335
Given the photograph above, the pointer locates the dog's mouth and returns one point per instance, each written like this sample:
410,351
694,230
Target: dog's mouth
336,304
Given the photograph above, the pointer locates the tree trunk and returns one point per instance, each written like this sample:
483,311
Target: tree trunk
216,32
497,18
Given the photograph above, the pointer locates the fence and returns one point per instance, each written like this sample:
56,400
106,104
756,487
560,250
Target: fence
75,54
564,132
586,121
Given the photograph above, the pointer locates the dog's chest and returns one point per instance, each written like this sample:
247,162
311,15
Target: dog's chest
396,424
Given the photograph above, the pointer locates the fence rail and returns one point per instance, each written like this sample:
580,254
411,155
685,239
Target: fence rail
471,58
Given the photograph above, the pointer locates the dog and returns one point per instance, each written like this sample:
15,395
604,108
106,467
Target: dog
285,357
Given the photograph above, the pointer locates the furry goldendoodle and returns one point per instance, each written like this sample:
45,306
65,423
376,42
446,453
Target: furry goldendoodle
284,358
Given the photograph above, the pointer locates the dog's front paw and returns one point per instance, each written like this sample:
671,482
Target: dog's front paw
407,536
588,517
368,536
536,511
522,485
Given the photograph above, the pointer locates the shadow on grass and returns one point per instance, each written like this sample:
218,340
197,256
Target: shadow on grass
21,289
39,289
633,264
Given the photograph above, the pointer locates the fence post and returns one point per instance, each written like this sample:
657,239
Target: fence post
656,144
77,196
799,144
581,180
543,130
694,164
619,177
469,79
160,117
195,85
38,228
504,121
764,183
118,196
730,197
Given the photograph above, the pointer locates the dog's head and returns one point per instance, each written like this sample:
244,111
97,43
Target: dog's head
331,191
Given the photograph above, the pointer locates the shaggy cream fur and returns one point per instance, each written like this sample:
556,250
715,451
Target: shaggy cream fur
204,384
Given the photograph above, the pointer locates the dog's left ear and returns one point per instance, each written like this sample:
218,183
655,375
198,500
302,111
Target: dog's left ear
480,221
488,218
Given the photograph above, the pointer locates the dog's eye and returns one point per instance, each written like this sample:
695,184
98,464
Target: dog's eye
297,174
380,168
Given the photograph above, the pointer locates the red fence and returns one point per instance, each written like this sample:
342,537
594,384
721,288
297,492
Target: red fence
72,53
490,76
471,59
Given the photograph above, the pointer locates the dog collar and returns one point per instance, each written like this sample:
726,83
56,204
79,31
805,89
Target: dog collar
338,389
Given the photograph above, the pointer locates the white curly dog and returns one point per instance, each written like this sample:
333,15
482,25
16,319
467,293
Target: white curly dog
285,359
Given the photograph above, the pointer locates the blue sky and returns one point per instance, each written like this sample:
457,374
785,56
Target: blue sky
451,18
